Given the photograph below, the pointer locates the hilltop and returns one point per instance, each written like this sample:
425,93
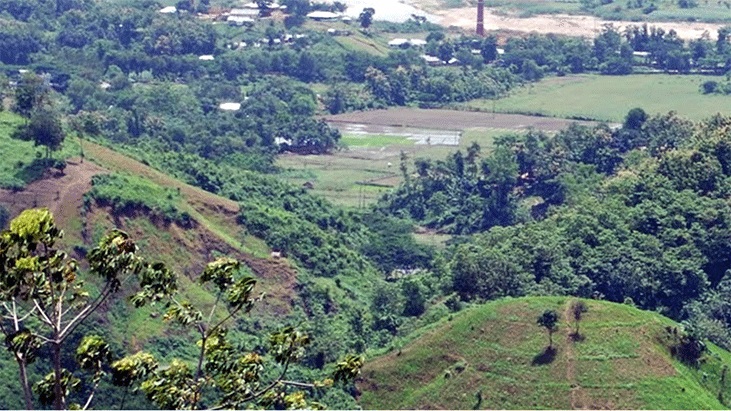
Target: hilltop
494,356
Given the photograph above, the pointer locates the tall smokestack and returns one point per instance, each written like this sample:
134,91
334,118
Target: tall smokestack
481,17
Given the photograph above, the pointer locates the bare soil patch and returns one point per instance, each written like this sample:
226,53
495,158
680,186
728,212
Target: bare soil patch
440,119
569,25
62,192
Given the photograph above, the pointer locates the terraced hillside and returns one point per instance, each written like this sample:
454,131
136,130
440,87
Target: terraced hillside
495,356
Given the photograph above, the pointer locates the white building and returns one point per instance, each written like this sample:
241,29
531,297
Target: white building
398,43
230,106
323,15
239,20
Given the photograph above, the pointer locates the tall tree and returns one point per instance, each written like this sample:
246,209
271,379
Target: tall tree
30,94
578,308
366,17
240,379
45,130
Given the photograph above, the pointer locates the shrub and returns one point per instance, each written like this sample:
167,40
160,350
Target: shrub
128,194
709,87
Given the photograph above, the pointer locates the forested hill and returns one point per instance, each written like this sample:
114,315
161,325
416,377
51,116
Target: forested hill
322,277
639,214
495,356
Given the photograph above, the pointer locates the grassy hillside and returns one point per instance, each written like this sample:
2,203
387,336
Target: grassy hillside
495,356
17,167
109,190
608,98
186,227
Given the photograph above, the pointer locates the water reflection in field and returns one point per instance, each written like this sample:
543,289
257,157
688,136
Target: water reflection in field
421,136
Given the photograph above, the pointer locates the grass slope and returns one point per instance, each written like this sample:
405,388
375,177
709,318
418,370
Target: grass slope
494,356
609,98
17,167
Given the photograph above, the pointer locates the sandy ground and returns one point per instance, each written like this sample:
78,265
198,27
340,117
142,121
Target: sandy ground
387,10
62,193
585,26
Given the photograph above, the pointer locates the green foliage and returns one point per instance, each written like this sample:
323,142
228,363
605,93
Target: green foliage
31,94
240,379
127,194
44,129
578,309
45,301
366,17
548,320
22,162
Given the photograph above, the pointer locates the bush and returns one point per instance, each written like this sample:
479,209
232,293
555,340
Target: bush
709,87
129,194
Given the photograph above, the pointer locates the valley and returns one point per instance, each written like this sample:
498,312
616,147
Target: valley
305,205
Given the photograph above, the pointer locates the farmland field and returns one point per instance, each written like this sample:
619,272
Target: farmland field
360,173
368,165
609,98
446,119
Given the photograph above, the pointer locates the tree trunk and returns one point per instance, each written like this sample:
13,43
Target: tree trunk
27,393
550,339
59,402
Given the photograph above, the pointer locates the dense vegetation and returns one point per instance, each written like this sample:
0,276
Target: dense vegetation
127,195
44,302
634,214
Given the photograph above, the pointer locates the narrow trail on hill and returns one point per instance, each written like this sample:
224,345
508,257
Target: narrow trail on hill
61,192
576,392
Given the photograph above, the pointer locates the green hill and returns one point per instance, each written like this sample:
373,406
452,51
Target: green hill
185,227
495,356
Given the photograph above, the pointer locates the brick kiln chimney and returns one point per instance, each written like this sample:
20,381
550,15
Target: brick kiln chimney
480,17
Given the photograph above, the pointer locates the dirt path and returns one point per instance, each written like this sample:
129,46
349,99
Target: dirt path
570,25
61,192
576,392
